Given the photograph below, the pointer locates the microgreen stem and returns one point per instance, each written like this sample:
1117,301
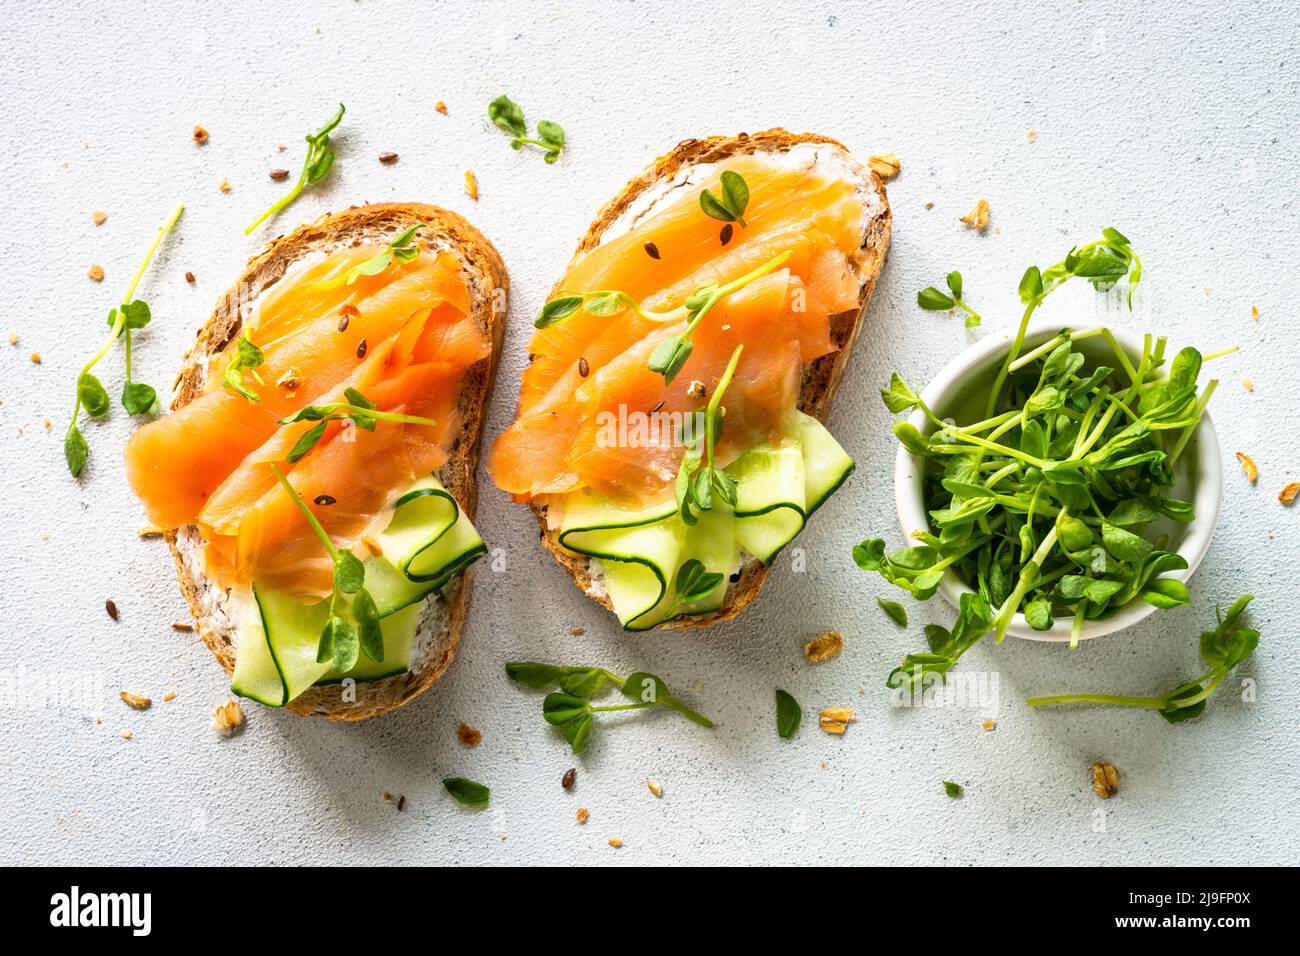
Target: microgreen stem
1183,439
331,407
306,512
1041,350
1028,575
120,322
716,400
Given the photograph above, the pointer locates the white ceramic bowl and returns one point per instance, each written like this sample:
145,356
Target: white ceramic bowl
1198,472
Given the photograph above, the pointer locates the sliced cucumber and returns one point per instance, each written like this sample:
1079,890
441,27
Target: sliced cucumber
420,519
826,465
427,543
293,632
256,676
640,549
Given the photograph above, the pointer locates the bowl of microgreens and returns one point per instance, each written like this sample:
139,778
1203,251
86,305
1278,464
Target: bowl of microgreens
1059,484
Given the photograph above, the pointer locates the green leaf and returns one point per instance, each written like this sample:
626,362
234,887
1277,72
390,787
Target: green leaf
92,395
935,301
1166,593
349,572
139,398
870,554
1177,715
557,310
714,208
669,356
75,450
581,681
954,284
507,116
306,442
344,642
1031,285
605,303
910,437
370,633
1038,614
578,731
952,789
694,583
1124,544
896,611
534,675
354,397
466,792
551,134
788,714
559,708
322,134
735,193
898,396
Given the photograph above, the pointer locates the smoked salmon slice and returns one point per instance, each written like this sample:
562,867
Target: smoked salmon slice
403,338
591,368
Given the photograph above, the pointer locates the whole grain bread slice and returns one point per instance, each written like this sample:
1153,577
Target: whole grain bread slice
820,379
444,615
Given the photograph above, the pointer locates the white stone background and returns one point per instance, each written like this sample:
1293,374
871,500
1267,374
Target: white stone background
1177,125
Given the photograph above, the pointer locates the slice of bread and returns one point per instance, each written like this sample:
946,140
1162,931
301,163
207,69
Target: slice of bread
213,608
820,379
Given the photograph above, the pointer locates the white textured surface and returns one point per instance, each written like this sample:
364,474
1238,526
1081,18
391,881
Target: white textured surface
1179,128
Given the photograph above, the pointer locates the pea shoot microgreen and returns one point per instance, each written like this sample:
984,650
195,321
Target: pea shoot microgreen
933,300
953,789
699,477
569,708
403,248
897,613
693,583
671,354
1043,506
358,409
247,358
316,164
1222,648
729,205
508,116
352,627
137,398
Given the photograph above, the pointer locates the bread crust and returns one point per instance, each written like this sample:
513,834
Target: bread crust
488,306
820,379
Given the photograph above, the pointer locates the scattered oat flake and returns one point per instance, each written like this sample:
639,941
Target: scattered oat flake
835,720
1248,466
200,135
224,185
47,424
387,797
181,626
989,724
126,735
95,273
615,842
653,787
824,647
1031,135
99,217
36,358
136,701
469,736
1254,312
440,107
978,217
227,718
290,380
1248,384
884,165
170,695
1288,494
929,205
1105,779
13,338
583,815
577,631
471,184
